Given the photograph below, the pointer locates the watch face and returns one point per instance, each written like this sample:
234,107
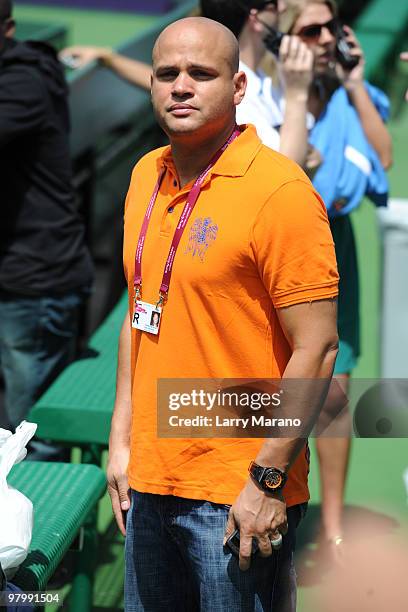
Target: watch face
272,480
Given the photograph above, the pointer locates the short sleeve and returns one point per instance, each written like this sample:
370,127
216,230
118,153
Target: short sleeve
292,246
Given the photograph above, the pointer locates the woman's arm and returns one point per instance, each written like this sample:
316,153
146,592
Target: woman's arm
373,125
135,72
296,68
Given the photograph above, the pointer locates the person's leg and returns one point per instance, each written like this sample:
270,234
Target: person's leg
38,340
19,340
333,456
333,449
268,586
59,335
156,576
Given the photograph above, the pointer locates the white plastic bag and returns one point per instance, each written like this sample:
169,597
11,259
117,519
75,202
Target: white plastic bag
16,510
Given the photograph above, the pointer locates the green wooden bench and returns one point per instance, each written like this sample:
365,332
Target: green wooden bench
383,16
380,28
64,498
77,408
52,33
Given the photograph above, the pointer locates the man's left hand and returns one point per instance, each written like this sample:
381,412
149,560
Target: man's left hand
257,515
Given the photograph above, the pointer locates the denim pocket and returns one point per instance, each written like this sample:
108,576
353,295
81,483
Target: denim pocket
60,315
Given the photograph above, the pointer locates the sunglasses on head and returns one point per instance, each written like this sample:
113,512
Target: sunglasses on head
314,31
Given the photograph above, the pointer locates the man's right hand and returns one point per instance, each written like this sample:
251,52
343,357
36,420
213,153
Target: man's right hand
259,516
118,485
296,63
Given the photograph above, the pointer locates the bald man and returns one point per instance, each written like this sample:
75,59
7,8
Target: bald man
227,249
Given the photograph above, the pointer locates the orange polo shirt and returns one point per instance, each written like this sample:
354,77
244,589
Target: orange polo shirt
257,240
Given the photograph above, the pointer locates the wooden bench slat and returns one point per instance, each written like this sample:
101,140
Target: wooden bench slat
63,495
78,406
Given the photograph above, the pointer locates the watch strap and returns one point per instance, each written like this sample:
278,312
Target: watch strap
256,471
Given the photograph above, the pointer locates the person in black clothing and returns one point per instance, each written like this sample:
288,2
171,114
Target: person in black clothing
7,589
45,266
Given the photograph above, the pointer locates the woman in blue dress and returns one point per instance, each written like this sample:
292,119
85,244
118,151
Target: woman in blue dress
355,148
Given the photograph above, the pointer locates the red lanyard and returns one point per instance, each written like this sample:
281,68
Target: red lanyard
185,215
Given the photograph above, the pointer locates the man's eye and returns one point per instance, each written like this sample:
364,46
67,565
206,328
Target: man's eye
167,76
202,75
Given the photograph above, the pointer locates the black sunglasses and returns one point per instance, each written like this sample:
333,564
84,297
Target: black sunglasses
313,31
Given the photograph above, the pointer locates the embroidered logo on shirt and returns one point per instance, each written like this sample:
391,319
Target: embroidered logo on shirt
203,232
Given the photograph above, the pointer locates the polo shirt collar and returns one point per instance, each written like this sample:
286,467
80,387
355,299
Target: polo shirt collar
235,160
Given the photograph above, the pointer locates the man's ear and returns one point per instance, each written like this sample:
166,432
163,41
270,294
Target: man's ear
240,85
10,29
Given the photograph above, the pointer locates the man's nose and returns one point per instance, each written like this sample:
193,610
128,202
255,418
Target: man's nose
182,85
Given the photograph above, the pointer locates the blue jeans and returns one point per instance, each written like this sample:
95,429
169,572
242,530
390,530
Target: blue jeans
175,561
37,341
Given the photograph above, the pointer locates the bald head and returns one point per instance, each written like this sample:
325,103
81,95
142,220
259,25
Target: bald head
211,35
196,82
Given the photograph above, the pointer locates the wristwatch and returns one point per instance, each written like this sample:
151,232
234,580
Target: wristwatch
269,479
